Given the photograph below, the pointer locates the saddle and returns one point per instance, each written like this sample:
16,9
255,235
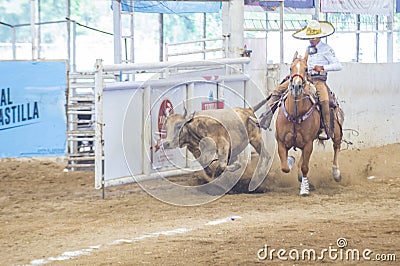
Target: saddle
335,111
312,91
333,102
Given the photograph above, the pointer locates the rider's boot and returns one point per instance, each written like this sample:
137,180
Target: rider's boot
325,131
266,117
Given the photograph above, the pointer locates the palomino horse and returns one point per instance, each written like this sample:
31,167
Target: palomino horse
298,123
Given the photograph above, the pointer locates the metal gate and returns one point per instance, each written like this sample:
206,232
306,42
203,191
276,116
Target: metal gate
80,120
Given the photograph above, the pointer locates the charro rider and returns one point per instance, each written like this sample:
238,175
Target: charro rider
321,60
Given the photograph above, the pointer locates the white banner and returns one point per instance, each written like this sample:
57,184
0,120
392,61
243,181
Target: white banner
372,7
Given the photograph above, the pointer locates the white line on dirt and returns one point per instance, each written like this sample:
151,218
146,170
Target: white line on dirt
221,221
89,250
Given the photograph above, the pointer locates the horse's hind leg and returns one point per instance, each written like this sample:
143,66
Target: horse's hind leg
337,140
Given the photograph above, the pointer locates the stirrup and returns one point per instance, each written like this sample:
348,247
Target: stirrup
323,135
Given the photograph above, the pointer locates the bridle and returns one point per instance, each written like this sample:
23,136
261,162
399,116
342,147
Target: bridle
298,75
296,90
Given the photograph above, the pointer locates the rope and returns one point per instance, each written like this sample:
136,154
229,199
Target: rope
348,142
79,24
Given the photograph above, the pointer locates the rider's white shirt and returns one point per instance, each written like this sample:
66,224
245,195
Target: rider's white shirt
325,57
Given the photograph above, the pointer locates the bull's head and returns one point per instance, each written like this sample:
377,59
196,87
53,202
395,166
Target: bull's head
173,126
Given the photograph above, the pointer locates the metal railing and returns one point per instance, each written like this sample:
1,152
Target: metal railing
201,46
348,26
273,25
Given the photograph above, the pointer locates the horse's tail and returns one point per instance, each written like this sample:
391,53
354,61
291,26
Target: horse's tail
260,104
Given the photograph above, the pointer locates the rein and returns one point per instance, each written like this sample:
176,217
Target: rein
298,119
294,118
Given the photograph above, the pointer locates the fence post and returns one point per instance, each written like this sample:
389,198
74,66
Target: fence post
98,137
146,133
226,46
188,104
166,52
389,49
14,39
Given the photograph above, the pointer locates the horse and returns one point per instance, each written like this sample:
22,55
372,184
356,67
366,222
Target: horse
298,124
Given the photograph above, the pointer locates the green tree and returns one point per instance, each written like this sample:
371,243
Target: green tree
16,12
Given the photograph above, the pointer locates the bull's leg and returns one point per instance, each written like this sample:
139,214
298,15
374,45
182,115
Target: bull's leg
258,145
283,156
210,170
233,164
209,173
223,156
264,156
208,149
233,167
207,177
261,168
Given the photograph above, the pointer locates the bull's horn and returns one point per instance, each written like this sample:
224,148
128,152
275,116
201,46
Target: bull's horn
184,111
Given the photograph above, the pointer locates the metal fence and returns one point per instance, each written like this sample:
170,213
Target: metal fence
208,48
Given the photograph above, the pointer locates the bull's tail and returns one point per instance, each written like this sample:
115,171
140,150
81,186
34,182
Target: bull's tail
260,104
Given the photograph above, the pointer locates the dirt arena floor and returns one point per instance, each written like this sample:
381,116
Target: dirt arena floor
52,217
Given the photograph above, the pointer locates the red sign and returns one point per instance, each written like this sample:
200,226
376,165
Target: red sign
212,105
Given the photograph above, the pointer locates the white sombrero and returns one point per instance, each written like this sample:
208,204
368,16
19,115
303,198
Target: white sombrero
315,29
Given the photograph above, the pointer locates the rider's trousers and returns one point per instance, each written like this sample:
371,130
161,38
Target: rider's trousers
322,90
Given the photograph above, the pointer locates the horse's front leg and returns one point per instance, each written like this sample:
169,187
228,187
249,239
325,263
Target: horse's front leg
305,160
299,173
283,156
306,155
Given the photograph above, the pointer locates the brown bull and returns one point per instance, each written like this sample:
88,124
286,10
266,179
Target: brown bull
217,137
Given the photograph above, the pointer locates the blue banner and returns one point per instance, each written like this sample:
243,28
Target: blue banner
174,7
32,108
397,6
288,3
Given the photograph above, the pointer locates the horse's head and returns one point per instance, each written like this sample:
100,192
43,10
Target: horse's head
298,73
